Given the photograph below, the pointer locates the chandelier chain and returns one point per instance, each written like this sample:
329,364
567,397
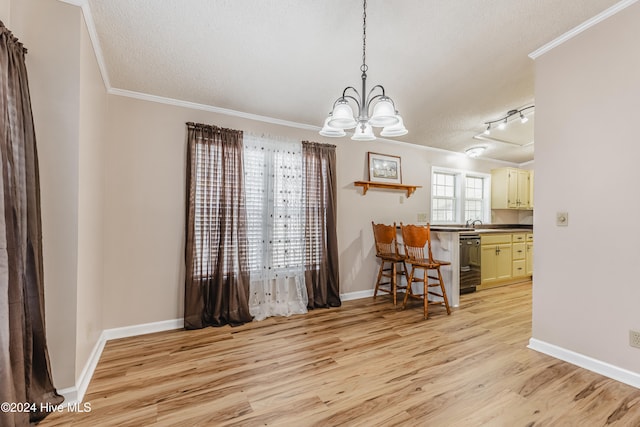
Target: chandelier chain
364,67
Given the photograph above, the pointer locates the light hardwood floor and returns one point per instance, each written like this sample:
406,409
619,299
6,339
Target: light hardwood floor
364,364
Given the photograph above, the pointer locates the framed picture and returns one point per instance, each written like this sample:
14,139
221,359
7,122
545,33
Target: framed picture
384,168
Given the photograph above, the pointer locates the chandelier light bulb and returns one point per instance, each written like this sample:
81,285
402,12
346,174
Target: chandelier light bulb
395,130
384,113
342,116
327,130
523,119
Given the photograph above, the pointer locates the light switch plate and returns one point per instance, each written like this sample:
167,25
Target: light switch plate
562,219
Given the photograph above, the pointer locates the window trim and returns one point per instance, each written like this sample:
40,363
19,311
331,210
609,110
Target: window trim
460,197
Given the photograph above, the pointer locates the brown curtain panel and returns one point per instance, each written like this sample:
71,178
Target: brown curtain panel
217,272
321,264
25,372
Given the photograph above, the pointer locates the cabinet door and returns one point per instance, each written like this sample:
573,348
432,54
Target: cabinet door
523,188
512,189
496,262
531,189
504,261
488,261
529,259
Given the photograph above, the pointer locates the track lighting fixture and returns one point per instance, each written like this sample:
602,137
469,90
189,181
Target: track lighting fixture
503,121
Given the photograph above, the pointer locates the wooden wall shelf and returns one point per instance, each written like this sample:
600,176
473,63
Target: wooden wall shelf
410,189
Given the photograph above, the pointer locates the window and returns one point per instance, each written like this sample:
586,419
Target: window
274,188
443,197
474,198
459,196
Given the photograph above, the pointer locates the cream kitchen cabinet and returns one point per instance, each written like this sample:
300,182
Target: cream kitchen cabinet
529,255
505,258
495,258
510,189
519,252
531,189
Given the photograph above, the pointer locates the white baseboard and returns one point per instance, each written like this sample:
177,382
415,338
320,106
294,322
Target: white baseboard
586,362
75,395
356,295
145,328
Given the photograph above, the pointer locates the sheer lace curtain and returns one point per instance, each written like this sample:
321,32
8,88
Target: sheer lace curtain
274,188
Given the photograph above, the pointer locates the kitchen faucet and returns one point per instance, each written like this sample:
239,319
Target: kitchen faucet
471,224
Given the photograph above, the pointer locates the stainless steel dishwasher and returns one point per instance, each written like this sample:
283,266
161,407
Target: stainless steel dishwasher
469,262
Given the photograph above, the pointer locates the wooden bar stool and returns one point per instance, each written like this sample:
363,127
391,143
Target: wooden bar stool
386,241
415,239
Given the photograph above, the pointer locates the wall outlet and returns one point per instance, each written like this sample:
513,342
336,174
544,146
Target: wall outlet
634,339
423,217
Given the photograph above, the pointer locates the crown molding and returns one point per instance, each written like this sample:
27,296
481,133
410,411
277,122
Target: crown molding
582,27
93,35
209,108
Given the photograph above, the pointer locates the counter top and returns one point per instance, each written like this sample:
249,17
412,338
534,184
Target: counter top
498,228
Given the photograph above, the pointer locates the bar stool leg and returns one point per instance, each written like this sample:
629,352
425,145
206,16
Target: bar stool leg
425,295
408,292
393,284
375,292
444,293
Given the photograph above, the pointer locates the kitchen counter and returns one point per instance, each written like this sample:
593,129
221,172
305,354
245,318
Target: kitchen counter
488,228
446,246
496,230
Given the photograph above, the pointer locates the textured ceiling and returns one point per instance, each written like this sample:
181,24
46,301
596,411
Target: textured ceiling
449,65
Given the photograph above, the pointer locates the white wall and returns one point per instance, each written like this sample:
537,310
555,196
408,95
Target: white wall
586,289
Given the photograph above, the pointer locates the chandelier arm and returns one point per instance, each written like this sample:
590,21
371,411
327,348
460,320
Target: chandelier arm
344,92
370,99
354,100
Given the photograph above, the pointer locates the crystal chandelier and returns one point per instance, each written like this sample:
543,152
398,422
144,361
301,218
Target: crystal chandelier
384,113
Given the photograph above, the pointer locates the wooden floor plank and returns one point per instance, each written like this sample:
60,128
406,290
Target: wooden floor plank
364,364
